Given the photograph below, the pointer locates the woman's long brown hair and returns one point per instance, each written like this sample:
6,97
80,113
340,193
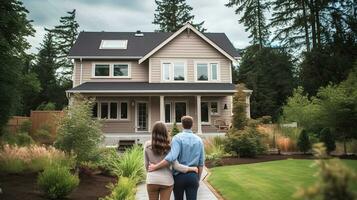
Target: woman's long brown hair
160,140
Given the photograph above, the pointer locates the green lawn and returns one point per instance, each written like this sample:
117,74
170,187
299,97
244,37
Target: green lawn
267,180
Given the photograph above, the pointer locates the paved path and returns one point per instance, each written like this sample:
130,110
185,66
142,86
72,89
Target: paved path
204,193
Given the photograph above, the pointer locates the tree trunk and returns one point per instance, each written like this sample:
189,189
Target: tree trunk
307,39
259,27
312,22
317,21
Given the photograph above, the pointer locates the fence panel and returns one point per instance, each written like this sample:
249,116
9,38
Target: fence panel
40,119
15,122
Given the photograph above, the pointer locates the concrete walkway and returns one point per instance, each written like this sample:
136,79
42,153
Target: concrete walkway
204,193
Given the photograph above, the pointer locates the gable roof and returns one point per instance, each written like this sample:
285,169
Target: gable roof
87,44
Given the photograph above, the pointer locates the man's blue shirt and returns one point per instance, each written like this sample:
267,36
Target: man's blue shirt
187,148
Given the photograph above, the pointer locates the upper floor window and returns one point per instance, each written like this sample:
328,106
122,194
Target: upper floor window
174,71
113,44
207,71
117,70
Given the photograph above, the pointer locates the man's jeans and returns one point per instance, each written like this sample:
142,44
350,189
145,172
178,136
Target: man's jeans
186,183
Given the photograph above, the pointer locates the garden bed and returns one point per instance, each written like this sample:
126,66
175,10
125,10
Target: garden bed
23,186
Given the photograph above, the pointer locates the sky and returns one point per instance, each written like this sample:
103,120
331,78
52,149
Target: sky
129,15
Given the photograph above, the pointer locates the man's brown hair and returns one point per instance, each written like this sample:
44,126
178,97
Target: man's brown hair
187,122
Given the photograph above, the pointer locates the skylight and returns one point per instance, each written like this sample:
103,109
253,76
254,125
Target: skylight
113,44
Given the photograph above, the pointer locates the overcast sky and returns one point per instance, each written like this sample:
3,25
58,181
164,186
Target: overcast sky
129,15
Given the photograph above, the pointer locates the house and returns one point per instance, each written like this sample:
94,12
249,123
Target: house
138,78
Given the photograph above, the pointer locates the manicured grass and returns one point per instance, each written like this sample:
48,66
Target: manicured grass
275,180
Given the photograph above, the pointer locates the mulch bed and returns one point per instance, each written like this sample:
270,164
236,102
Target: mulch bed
265,158
24,187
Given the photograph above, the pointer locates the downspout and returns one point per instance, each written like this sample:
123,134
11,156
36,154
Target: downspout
80,76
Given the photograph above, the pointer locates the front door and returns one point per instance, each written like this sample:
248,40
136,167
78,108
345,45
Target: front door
141,116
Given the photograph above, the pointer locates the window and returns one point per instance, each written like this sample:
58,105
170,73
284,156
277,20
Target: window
113,44
121,70
166,71
104,110
113,110
174,71
167,112
204,112
180,110
214,108
207,72
214,71
102,70
202,72
95,110
123,110
179,71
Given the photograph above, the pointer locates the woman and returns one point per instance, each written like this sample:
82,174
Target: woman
160,183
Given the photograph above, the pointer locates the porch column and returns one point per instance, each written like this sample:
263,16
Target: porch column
162,109
199,127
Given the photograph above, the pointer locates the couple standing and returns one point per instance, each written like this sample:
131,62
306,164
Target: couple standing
175,165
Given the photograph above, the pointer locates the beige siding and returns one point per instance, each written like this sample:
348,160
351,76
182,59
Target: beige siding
190,48
139,73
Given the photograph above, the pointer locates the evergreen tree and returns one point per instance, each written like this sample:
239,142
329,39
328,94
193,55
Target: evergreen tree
304,143
174,130
253,18
239,120
328,139
15,27
269,73
65,35
45,68
171,15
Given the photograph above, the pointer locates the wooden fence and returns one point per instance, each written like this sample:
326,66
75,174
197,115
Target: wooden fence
39,119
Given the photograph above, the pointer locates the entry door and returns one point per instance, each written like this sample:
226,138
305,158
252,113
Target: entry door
142,116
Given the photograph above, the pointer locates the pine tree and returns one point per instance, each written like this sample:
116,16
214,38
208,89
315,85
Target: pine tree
239,120
15,27
304,143
171,15
253,18
328,139
65,35
174,130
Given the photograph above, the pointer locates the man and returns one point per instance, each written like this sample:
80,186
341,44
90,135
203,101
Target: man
187,148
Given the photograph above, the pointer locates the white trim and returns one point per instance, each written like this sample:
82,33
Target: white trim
99,110
209,71
150,70
81,73
74,74
172,70
111,70
198,104
230,73
125,44
105,57
189,26
162,108
151,91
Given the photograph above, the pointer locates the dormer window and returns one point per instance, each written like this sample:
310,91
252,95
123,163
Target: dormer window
113,44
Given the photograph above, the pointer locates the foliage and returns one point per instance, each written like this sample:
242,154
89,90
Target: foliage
46,106
57,182
253,18
334,182
328,140
124,190
15,27
131,164
214,149
304,143
239,108
171,15
108,160
246,143
15,159
265,119
174,130
21,139
25,126
269,73
43,134
78,132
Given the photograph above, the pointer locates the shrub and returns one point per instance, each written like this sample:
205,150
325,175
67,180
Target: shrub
304,143
124,190
78,132
214,149
174,130
43,134
14,159
20,139
265,119
108,159
239,120
57,182
46,106
328,139
131,164
25,127
334,179
246,143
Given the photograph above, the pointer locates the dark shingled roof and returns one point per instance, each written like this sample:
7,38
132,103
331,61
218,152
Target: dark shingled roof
123,87
87,43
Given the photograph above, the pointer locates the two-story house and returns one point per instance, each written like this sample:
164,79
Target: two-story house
138,78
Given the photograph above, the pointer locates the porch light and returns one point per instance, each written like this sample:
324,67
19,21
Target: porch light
133,103
225,106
